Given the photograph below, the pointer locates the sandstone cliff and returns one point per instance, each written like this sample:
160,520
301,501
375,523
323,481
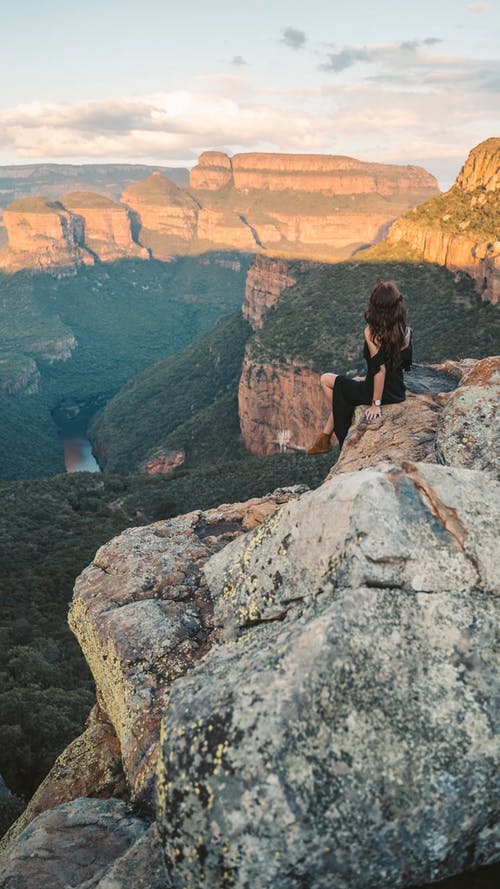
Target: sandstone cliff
460,229
297,665
106,226
76,230
330,174
482,168
42,235
241,203
163,210
266,280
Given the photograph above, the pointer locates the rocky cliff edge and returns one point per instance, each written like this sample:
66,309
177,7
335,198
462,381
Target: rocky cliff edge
300,687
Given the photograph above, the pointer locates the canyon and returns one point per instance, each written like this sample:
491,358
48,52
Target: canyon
290,206
259,651
293,204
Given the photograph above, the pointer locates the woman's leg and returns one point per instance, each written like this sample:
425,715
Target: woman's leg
322,442
327,384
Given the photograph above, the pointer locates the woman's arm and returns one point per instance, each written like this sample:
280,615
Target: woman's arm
374,411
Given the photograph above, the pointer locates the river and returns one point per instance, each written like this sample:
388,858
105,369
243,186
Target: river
78,456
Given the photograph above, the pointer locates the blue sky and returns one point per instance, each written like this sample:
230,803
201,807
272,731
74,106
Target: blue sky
159,82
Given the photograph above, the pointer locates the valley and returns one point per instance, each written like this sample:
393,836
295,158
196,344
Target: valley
177,332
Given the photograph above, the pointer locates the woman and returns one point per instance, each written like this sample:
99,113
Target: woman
387,350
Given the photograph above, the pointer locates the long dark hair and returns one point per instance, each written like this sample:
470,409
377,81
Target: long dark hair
386,317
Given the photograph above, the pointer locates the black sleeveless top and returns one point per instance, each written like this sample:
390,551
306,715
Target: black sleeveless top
394,387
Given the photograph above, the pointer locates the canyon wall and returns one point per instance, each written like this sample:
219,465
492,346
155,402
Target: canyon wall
162,207
106,226
42,235
272,399
220,211
262,669
459,229
266,279
329,174
462,253
51,235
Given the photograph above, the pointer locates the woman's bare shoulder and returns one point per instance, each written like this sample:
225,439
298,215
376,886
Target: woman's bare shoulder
372,345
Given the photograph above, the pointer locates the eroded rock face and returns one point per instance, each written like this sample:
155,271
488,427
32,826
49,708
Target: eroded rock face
107,231
482,167
480,259
89,767
265,282
225,229
330,174
143,617
469,428
347,729
275,398
213,171
42,235
73,844
163,463
161,207
466,249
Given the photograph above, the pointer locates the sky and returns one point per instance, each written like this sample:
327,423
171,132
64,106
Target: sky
115,81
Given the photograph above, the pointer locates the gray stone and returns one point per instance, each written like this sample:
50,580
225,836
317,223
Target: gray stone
468,433
423,528
343,737
71,845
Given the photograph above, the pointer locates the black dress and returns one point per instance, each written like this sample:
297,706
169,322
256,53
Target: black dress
348,393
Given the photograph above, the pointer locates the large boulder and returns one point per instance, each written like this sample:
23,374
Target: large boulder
143,617
90,766
74,844
342,736
468,433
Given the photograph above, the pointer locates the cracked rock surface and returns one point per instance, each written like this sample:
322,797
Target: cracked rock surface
343,735
143,616
72,845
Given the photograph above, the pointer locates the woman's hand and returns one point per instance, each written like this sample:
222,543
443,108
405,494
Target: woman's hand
373,412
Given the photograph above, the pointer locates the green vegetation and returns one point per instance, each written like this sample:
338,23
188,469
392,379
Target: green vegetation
258,203
35,204
50,530
320,321
124,317
167,397
86,199
458,212
160,190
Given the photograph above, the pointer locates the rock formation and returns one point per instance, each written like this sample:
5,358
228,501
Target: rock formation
213,171
42,235
330,174
163,462
482,168
468,433
226,229
218,213
163,208
265,282
460,229
106,226
322,665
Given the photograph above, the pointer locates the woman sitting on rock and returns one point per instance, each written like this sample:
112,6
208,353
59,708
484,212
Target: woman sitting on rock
387,350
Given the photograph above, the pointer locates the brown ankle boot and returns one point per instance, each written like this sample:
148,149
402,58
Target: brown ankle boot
321,445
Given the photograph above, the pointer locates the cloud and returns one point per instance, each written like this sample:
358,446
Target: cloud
238,61
479,7
348,56
416,106
294,38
